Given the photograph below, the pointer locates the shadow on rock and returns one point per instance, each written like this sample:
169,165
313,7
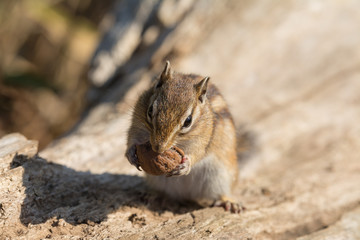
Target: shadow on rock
53,190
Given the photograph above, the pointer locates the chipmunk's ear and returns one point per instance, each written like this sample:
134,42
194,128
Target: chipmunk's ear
165,75
201,89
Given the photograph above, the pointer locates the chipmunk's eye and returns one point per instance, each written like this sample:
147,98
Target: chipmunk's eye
150,112
187,121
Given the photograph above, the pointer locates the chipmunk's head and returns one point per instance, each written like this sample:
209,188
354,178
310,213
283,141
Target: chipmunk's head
175,107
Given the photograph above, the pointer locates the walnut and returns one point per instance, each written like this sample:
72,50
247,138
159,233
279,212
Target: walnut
158,164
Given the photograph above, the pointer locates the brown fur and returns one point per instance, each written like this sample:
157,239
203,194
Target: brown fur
175,95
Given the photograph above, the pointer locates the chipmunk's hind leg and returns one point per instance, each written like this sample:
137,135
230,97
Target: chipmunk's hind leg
229,205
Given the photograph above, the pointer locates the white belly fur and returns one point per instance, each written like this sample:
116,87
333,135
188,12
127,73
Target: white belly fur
208,179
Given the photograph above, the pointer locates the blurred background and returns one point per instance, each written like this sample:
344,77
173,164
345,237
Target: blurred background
45,47
59,58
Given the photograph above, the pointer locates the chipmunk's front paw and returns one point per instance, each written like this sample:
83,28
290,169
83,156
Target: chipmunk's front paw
182,169
132,157
229,205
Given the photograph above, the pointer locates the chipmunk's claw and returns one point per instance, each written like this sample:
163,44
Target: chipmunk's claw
132,157
182,169
229,206
138,167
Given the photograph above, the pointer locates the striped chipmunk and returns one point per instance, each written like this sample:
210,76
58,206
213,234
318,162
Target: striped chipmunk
188,111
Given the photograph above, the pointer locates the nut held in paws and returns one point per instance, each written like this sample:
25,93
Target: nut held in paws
158,164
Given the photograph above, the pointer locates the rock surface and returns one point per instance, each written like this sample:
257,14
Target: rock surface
291,74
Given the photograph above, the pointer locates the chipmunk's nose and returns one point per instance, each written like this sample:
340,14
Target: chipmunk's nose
159,146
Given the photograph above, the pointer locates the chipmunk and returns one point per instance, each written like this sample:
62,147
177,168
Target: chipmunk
187,111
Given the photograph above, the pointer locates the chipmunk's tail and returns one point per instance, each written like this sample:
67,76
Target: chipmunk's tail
246,144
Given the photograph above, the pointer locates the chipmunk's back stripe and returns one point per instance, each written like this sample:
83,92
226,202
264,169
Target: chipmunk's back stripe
212,92
223,114
218,104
